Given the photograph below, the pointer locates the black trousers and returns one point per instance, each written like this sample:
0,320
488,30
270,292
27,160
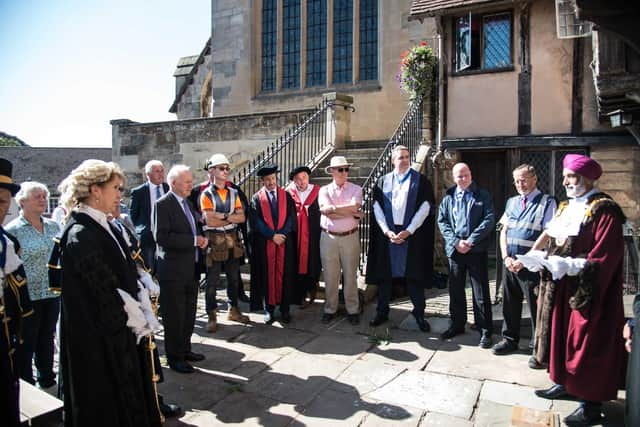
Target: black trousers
415,289
9,384
38,334
232,271
476,265
148,253
518,286
178,300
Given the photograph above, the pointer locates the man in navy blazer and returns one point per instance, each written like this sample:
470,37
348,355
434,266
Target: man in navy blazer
179,239
466,219
143,199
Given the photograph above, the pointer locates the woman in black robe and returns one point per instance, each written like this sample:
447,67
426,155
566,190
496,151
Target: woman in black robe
106,378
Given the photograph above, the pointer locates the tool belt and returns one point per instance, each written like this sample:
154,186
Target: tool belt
223,245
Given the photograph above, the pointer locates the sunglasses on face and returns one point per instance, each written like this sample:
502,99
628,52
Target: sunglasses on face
223,168
342,170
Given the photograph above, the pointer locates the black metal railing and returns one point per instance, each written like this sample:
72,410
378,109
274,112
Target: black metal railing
306,144
408,133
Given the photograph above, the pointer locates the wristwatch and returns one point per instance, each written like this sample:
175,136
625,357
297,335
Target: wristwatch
226,216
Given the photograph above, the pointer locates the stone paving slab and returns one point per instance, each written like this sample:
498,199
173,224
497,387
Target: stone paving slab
296,378
383,419
435,419
365,377
433,392
281,340
491,414
407,350
338,347
514,395
461,356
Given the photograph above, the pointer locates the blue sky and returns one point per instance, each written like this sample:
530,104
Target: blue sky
70,66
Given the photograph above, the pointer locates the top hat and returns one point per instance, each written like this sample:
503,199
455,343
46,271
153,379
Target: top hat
267,170
215,160
336,162
297,170
6,167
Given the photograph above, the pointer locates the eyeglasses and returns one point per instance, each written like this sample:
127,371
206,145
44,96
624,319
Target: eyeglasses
223,168
342,170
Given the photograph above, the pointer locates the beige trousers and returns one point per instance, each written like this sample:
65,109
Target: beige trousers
340,254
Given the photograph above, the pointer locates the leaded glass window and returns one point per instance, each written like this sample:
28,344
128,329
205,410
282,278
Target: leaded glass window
291,44
342,41
497,41
368,68
316,43
269,44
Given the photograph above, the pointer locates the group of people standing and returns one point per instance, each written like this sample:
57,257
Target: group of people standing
565,260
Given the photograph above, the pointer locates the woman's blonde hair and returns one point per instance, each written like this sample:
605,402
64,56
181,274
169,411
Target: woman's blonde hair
76,188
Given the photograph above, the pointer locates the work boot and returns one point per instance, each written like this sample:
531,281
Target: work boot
212,324
236,316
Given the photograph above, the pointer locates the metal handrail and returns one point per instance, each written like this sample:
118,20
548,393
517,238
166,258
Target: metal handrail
408,133
306,144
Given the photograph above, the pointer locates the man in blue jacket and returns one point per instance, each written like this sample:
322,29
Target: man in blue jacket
466,219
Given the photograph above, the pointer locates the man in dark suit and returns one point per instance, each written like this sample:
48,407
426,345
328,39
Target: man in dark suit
466,219
179,241
143,199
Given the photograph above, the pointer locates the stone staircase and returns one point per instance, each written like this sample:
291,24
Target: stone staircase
363,155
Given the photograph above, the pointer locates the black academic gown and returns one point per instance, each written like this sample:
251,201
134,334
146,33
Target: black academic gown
16,305
420,251
106,380
632,408
259,261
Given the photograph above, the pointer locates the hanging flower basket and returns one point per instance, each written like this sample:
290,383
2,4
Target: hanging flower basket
417,68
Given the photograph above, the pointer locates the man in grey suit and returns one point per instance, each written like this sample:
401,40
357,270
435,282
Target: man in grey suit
178,248
143,197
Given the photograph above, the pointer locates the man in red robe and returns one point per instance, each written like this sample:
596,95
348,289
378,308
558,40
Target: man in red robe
584,265
305,196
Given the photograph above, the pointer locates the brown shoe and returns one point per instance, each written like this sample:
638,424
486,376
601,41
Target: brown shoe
236,316
212,324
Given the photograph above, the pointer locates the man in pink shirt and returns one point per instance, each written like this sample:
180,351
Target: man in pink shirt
340,204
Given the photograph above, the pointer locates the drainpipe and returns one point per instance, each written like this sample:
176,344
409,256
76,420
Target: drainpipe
440,102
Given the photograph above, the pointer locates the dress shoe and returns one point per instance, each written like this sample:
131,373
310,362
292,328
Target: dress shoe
485,340
212,322
327,317
286,317
534,364
451,332
169,410
268,318
235,315
504,347
190,356
242,297
556,391
423,324
585,415
354,319
378,320
182,367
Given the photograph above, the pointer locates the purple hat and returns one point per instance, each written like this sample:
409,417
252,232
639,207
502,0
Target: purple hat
582,165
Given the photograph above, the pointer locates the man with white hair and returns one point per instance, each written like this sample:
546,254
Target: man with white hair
143,199
581,290
179,242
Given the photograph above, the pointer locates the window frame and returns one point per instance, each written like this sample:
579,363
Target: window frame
479,17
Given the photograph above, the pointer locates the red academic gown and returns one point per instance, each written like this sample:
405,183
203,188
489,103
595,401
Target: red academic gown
587,350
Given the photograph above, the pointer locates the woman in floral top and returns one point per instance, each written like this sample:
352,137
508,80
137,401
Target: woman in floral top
35,234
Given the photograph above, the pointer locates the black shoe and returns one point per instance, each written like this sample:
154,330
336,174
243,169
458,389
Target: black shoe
354,319
182,367
485,340
268,318
190,356
242,297
534,364
587,414
504,347
451,332
556,391
378,320
169,410
423,324
286,318
327,317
